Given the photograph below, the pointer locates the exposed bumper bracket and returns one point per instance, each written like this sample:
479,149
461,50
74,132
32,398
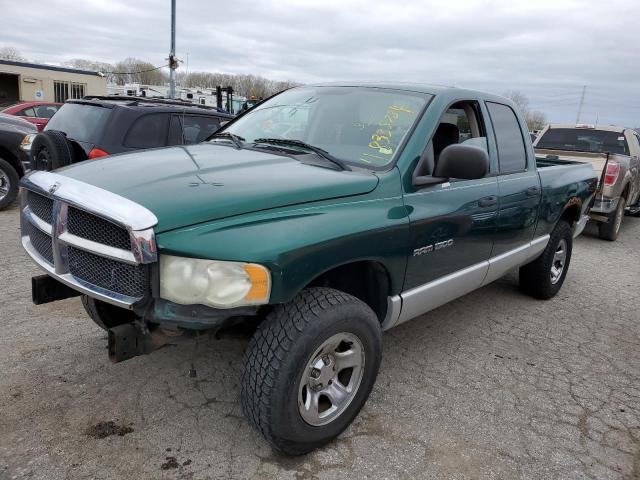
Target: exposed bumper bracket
46,289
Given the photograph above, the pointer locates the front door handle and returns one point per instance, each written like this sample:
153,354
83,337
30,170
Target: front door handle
533,191
488,201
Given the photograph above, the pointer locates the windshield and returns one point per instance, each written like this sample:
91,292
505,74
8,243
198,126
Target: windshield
357,125
79,121
584,140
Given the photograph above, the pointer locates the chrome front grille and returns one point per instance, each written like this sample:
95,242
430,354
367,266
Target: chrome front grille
41,206
41,242
102,255
96,229
122,278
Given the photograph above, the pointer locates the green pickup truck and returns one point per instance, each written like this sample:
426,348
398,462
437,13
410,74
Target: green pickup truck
322,216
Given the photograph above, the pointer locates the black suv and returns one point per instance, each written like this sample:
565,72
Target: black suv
95,127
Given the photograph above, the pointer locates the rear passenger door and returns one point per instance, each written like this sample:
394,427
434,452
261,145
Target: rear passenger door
148,131
519,189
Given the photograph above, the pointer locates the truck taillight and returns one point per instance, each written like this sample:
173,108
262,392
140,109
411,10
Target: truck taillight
611,175
96,153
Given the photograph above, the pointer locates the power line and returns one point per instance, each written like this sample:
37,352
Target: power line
135,73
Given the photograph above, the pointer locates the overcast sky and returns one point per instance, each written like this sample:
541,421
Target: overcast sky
546,49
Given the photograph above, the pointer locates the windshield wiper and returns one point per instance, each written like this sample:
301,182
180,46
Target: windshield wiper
299,143
236,139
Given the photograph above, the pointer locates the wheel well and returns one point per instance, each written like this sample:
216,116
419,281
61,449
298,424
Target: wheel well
571,214
625,192
366,280
12,159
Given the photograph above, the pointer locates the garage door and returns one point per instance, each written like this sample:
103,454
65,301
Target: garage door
9,92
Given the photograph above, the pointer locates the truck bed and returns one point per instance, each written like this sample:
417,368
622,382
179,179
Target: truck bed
548,158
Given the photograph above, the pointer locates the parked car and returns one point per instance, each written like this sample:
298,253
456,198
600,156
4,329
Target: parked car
614,153
99,126
12,159
38,113
323,216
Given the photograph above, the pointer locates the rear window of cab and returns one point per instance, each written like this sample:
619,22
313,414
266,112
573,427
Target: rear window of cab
584,140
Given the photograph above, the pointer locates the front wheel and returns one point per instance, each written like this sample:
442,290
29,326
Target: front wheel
611,229
544,277
8,183
309,369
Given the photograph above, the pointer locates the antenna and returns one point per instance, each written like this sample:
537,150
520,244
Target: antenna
584,90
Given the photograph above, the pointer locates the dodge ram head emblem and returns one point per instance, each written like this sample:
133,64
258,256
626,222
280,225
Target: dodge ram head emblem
54,187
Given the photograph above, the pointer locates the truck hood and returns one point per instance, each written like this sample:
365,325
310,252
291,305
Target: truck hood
188,185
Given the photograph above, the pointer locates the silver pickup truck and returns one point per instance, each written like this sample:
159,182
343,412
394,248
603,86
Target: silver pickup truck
614,153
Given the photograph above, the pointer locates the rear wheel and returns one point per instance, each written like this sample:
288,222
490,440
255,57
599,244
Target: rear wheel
105,315
544,277
8,183
309,369
611,229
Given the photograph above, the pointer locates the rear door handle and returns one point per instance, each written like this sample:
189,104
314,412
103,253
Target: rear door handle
533,191
488,201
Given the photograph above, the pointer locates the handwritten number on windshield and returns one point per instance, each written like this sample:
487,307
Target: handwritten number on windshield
381,139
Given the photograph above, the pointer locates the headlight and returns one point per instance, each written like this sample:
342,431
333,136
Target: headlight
218,284
25,145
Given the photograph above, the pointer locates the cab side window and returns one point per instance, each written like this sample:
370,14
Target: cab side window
461,123
512,153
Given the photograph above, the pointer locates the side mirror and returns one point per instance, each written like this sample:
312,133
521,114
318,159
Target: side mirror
462,161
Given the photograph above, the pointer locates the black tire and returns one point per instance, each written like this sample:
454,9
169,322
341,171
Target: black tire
536,278
105,315
278,356
611,229
51,150
9,179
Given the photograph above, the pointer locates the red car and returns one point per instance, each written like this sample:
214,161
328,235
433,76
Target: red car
37,113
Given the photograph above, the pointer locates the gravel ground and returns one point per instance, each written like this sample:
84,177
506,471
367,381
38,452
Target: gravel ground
493,385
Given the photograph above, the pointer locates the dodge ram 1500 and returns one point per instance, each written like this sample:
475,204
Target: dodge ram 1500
324,215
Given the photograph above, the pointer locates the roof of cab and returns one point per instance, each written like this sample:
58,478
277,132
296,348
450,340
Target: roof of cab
445,90
608,128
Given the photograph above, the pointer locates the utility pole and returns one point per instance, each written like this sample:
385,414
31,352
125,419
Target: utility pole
173,62
584,90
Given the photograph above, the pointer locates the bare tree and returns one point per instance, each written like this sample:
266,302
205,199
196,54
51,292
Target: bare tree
11,53
245,85
133,70
535,119
103,67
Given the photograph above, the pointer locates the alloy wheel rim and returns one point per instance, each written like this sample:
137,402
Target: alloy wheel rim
559,261
5,184
331,379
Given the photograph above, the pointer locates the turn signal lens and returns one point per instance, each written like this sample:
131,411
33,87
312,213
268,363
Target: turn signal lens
259,278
